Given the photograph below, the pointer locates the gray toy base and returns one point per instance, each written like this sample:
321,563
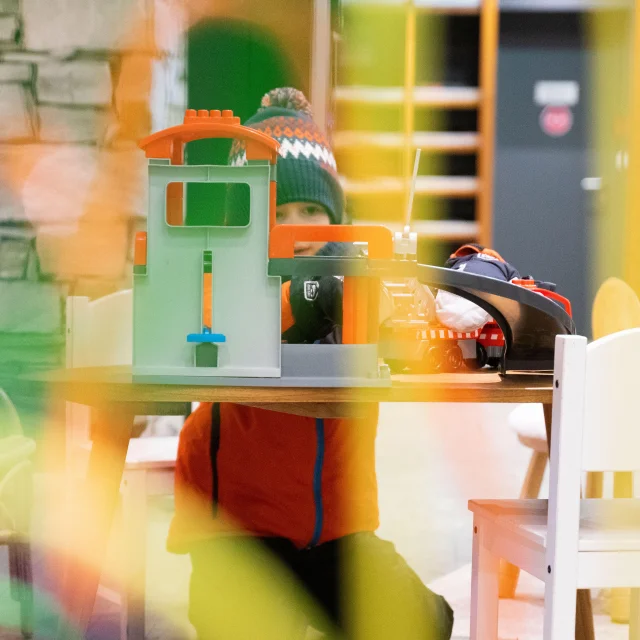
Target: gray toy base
303,365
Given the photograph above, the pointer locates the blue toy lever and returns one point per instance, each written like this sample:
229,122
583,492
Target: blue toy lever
206,337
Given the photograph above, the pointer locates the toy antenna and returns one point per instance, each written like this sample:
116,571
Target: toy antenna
407,221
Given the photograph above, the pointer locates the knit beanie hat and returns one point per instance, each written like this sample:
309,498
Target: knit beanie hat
306,170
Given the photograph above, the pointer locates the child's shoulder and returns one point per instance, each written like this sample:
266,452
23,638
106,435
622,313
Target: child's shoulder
197,421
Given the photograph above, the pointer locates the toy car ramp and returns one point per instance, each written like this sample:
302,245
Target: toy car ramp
530,322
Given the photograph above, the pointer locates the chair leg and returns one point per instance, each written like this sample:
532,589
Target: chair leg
634,617
484,587
619,597
562,608
134,517
509,574
21,577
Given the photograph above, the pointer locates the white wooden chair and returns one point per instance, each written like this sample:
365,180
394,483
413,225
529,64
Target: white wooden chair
568,542
16,501
99,333
616,307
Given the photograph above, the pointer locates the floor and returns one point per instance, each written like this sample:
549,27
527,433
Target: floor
432,458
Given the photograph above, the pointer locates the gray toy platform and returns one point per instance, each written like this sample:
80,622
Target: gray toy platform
307,365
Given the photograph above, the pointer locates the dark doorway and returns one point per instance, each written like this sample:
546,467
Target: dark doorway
541,211
230,65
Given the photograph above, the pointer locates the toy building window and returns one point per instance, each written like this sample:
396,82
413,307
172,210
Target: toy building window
207,204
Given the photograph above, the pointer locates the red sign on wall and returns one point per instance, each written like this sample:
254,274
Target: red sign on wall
556,121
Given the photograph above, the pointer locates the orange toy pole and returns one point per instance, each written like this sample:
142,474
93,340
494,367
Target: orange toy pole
207,292
348,311
362,311
355,312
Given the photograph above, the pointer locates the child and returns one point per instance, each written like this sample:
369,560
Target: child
302,487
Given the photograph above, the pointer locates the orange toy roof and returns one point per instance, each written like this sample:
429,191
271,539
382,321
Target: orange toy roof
198,125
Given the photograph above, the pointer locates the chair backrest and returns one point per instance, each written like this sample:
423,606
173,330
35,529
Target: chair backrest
594,427
15,484
9,420
100,332
616,307
596,404
611,426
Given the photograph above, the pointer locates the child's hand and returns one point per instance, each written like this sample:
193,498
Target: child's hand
316,304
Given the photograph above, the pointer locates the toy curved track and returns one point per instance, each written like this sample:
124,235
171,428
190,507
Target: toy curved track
529,321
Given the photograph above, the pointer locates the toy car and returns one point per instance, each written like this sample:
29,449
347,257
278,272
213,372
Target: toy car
412,340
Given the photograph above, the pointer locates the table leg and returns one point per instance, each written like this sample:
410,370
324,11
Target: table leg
584,612
93,511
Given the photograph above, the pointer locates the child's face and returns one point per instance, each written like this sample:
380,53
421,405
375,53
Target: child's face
303,213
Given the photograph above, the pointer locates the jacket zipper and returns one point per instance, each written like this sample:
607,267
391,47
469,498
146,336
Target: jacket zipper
317,483
214,447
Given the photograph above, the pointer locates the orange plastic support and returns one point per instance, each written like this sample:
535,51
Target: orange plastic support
526,283
175,191
552,295
362,311
272,204
349,311
373,300
355,310
140,249
283,238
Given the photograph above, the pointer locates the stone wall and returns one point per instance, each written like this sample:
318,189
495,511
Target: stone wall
80,82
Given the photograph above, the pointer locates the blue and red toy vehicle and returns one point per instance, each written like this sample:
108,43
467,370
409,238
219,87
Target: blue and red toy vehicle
412,340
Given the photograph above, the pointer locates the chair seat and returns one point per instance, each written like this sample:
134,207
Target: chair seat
14,449
152,453
605,525
527,420
149,453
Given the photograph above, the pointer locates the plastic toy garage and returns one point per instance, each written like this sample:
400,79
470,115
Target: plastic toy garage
207,298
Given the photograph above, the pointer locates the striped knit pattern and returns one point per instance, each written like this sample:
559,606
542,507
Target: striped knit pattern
306,165
298,137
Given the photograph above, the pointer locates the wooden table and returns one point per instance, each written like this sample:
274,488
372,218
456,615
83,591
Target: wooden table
117,400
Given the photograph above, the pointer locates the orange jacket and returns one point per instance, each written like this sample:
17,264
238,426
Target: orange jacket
242,469
273,474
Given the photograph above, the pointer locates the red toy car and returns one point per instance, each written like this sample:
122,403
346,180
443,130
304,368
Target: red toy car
413,341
